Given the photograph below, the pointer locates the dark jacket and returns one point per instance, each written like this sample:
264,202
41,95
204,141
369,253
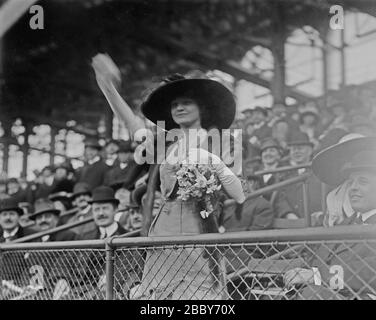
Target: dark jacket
128,267
65,235
126,177
358,261
294,194
94,234
256,214
22,232
93,174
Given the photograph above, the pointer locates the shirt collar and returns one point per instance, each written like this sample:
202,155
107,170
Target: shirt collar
108,231
110,161
123,165
96,159
7,234
365,216
258,125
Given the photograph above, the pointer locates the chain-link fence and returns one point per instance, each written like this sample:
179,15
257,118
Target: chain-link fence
313,263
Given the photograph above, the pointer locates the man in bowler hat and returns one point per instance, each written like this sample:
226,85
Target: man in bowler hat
10,214
104,206
46,217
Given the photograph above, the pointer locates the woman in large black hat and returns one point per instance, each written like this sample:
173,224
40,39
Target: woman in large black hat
183,103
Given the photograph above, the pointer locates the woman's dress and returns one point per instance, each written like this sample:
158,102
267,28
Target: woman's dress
183,272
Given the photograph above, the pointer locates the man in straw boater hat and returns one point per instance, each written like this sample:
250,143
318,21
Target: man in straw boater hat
352,162
46,217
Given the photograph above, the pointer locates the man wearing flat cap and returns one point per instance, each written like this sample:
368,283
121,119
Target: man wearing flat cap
125,170
46,217
10,214
95,168
352,162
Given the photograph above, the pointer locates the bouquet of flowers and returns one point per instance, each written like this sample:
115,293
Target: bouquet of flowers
200,182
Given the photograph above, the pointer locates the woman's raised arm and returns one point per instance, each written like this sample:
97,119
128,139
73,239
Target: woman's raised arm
108,78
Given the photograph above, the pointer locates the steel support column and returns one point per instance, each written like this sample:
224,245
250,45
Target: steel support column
278,51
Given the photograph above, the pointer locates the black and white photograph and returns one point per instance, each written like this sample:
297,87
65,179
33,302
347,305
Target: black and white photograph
196,150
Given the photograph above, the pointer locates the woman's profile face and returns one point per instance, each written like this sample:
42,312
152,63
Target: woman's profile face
185,112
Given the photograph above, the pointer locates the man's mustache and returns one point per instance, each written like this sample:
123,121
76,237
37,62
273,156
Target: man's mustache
44,224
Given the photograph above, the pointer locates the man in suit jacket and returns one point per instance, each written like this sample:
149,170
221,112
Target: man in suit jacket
94,170
10,214
104,209
125,171
354,262
46,217
81,198
104,206
301,149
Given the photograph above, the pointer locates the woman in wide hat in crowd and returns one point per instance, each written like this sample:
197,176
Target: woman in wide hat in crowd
182,103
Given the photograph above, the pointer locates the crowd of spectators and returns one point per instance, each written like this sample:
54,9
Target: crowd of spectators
110,189
273,138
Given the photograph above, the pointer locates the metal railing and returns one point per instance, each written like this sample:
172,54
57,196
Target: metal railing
253,265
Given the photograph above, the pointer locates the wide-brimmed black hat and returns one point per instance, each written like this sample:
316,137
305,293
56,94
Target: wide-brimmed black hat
332,164
299,138
80,188
218,101
10,204
43,206
104,194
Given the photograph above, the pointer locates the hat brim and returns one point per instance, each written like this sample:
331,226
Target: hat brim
348,170
53,211
109,200
300,143
279,148
328,164
218,100
75,195
18,210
